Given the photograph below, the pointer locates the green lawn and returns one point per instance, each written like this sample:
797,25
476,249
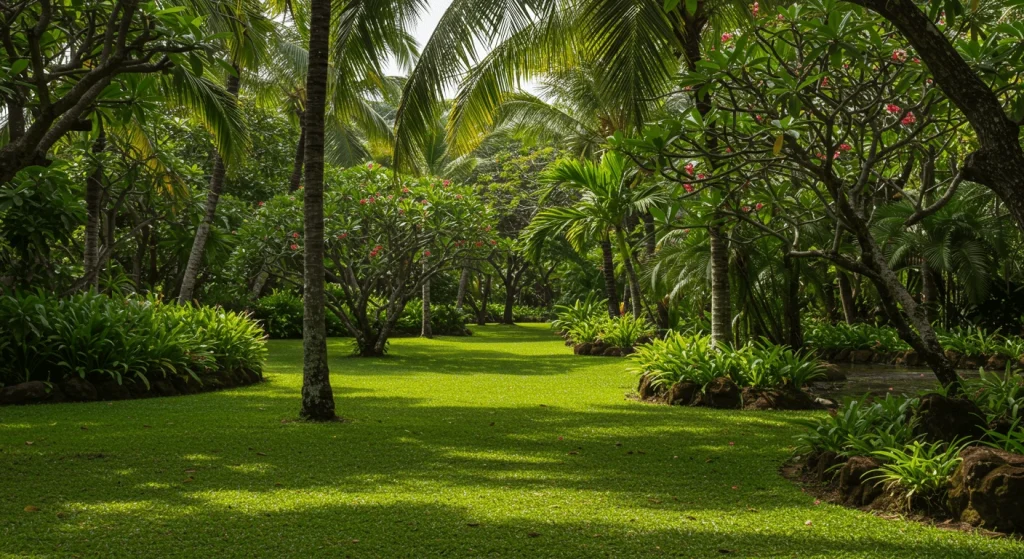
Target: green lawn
498,445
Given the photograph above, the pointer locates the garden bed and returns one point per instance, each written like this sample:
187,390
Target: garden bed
81,390
723,393
910,358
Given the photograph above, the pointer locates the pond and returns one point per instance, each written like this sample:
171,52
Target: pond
876,379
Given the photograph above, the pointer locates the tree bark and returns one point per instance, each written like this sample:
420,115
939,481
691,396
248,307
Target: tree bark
608,269
721,303
425,330
794,331
295,181
506,315
485,295
460,298
636,302
846,296
929,292
94,212
317,396
195,257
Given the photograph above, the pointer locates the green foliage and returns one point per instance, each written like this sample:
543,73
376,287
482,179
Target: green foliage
825,336
96,337
999,394
860,427
626,331
280,314
919,472
520,313
1011,441
567,316
444,320
678,358
587,331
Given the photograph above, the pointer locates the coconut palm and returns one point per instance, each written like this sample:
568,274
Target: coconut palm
611,193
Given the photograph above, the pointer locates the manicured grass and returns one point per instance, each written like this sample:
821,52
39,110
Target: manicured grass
498,445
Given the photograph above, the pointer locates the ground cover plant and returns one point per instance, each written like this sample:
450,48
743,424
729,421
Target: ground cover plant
127,341
498,444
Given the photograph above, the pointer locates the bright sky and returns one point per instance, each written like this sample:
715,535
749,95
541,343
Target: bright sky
425,26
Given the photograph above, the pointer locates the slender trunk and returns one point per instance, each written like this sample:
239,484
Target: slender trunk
794,332
929,293
258,285
317,396
300,150
608,265
828,301
846,296
485,294
463,285
94,210
510,296
195,258
425,330
631,278
721,305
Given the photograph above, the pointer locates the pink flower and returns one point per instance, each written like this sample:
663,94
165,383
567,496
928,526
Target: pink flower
342,236
424,202
369,166
781,17
726,37
758,118
755,9
909,119
893,108
758,206
824,81
688,187
689,169
493,242
295,246
363,201
899,55
701,176
295,235
446,182
458,197
405,190
426,253
746,209
487,228
844,147
260,204
478,243
728,150
917,60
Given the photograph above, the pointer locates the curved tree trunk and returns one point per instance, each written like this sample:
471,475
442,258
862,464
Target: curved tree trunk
425,330
485,295
94,210
195,258
317,396
295,180
608,269
721,304
846,296
794,331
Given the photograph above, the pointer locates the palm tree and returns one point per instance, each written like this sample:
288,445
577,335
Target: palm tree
317,396
611,194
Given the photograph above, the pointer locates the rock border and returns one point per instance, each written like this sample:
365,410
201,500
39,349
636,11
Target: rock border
910,358
75,389
723,393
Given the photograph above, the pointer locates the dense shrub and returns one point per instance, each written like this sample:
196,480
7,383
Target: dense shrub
678,358
97,338
567,316
860,427
520,313
280,314
444,320
824,336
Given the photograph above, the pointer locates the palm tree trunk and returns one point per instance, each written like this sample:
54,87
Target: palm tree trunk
794,332
460,298
317,396
300,152
721,304
425,330
608,265
93,210
636,303
195,258
846,296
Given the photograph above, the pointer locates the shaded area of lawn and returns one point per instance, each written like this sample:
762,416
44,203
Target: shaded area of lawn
501,444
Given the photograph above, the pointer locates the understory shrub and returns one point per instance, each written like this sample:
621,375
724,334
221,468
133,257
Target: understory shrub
99,338
568,316
520,313
919,472
622,331
678,358
444,320
280,313
973,342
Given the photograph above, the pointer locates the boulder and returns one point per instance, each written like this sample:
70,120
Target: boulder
833,373
78,390
111,390
186,384
842,355
862,356
953,356
822,465
624,351
164,387
972,362
855,486
32,392
582,349
940,418
996,362
647,390
786,398
138,389
987,489
612,352
682,393
597,349
721,393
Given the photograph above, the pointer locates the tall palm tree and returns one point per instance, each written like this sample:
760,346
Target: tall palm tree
611,194
317,396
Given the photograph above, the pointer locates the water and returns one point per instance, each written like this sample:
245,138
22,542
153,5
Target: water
878,380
